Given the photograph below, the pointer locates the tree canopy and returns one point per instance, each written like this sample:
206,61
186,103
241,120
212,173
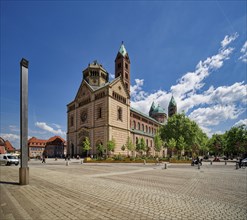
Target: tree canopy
184,133
86,145
231,143
158,143
111,145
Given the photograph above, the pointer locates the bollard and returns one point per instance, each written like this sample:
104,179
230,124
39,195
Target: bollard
144,162
82,161
67,163
236,165
165,166
211,162
198,166
225,163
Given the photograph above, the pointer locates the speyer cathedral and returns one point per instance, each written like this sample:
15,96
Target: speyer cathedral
101,111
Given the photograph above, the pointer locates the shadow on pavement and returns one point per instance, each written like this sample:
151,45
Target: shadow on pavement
9,183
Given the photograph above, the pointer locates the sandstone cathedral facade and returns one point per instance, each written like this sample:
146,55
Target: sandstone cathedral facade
101,111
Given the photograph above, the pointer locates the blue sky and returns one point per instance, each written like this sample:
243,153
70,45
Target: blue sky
196,51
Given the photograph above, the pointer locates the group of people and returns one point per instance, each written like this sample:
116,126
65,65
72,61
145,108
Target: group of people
196,161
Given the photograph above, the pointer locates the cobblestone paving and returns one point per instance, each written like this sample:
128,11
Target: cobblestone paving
124,191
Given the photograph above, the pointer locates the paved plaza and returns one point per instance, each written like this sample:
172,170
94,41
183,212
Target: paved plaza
124,191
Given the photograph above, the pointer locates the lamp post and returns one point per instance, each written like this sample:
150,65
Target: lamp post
24,169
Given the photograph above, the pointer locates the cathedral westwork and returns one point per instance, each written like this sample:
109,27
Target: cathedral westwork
101,111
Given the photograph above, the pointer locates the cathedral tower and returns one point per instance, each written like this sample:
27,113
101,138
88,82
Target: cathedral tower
122,66
95,74
172,108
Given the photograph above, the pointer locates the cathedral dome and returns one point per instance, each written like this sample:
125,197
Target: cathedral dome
159,109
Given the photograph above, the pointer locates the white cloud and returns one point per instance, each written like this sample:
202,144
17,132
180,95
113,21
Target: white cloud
14,139
244,52
222,95
228,39
10,137
14,128
136,91
241,122
44,126
56,125
112,76
192,81
213,115
208,108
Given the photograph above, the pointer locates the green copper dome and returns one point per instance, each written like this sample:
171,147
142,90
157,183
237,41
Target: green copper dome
172,102
159,109
122,50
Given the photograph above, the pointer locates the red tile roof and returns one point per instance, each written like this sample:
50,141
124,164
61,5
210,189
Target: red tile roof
9,147
36,142
54,138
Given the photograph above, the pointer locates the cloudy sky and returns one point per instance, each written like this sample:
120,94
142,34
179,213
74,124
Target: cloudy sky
195,51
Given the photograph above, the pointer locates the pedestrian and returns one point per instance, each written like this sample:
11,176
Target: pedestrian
157,160
240,162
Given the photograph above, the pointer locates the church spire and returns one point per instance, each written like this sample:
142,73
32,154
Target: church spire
172,108
122,66
122,49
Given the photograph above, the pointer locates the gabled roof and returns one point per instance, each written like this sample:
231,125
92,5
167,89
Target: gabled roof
9,147
84,82
36,142
54,138
120,79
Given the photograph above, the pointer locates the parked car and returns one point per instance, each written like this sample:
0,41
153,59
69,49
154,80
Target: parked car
8,159
244,162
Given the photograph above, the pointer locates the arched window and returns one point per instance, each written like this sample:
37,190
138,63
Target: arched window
139,126
149,130
143,127
134,122
146,128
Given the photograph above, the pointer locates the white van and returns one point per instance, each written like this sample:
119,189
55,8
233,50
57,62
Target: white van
8,159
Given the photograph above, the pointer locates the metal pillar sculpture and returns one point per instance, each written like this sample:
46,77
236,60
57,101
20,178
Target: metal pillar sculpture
24,169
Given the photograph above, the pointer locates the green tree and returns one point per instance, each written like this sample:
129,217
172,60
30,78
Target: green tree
101,149
181,126
141,146
86,145
172,144
111,145
236,141
216,144
181,145
129,145
158,143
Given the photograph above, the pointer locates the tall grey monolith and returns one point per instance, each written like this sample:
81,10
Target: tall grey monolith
24,169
